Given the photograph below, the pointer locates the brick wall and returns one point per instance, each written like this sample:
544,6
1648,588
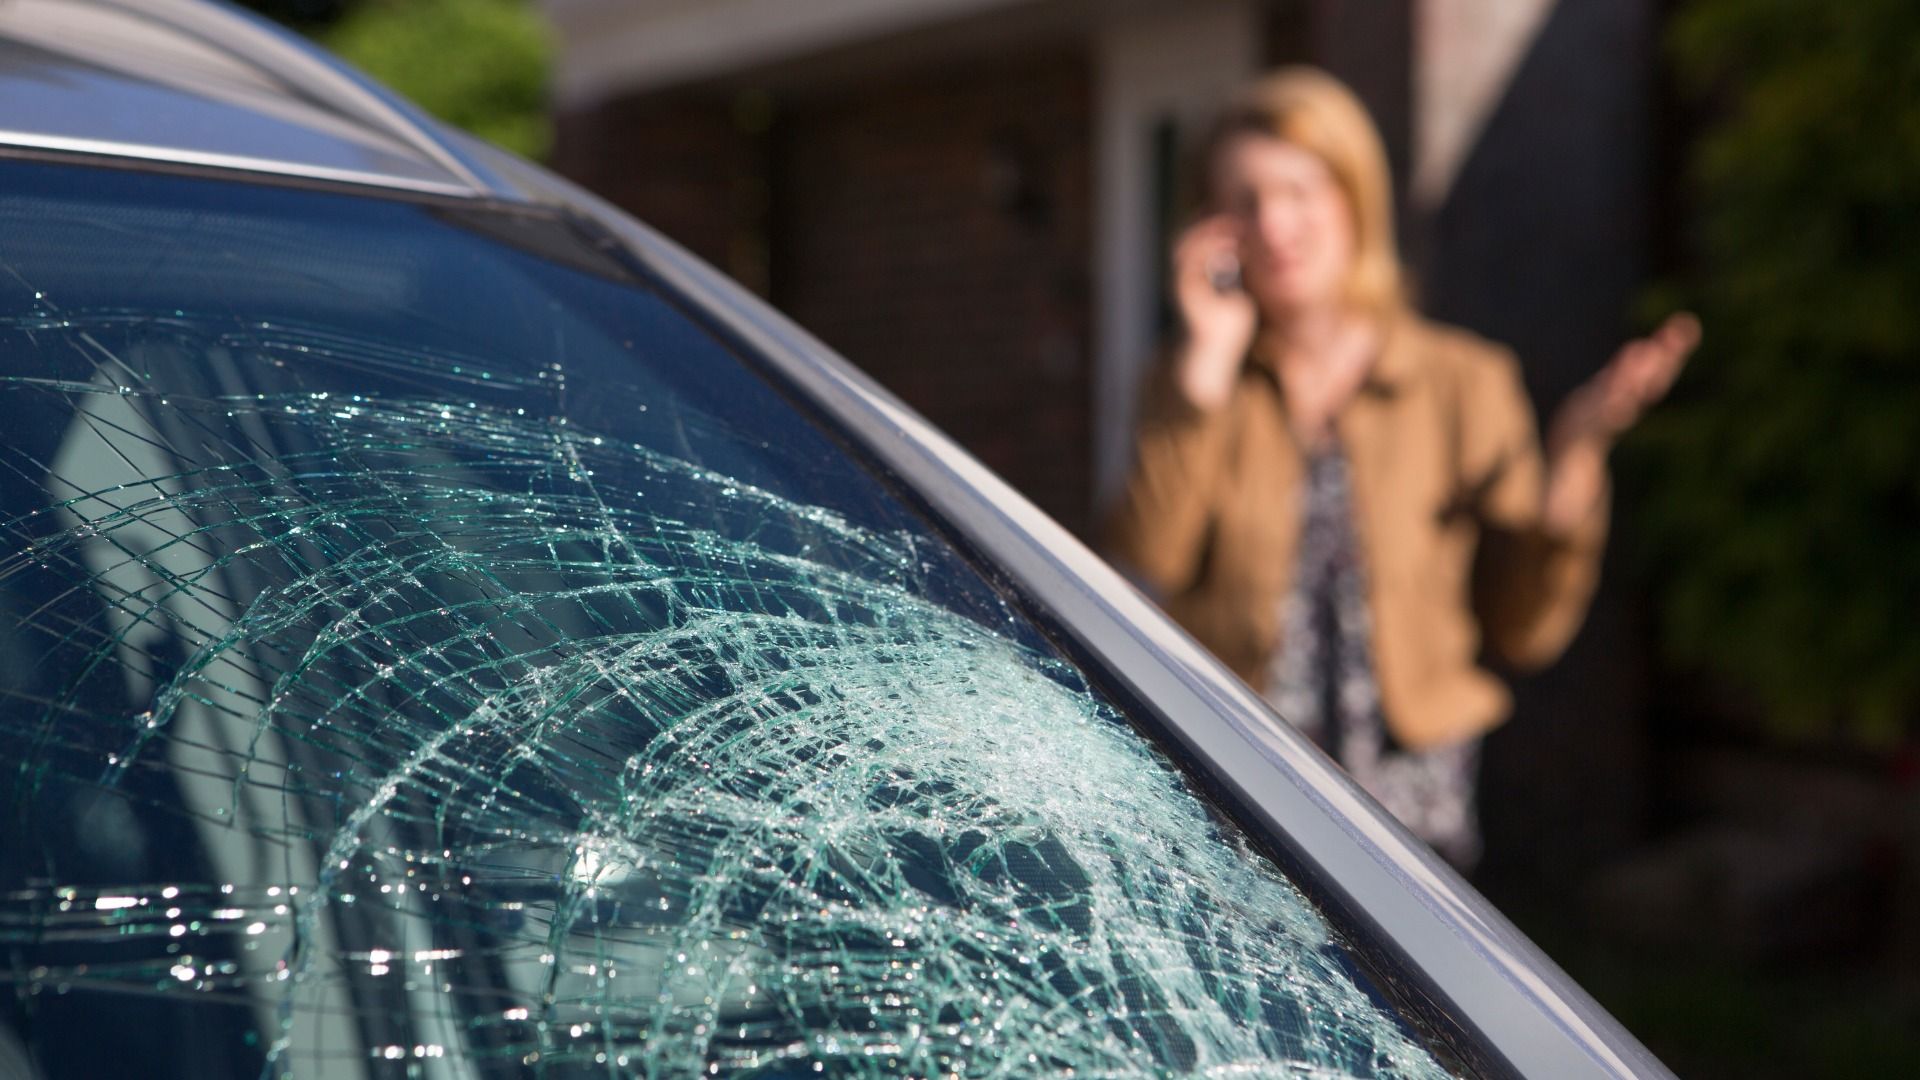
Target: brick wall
680,162
934,228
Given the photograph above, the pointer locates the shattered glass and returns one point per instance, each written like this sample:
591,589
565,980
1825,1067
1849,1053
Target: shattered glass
425,651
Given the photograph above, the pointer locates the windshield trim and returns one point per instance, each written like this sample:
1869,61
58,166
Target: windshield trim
91,150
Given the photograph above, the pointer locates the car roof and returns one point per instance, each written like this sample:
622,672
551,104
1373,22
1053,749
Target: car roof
206,84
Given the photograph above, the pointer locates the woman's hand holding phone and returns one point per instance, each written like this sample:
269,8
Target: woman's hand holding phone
1217,315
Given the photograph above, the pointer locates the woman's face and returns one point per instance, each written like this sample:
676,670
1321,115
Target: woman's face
1297,241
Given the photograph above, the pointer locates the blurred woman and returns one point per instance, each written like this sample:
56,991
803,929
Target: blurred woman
1318,470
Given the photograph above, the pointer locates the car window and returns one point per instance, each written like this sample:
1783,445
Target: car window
424,650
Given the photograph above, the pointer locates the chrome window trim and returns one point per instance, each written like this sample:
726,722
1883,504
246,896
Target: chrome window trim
230,162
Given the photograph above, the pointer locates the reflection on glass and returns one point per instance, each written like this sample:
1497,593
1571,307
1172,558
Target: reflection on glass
424,657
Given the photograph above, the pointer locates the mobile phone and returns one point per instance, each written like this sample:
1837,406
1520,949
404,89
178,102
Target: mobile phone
1223,273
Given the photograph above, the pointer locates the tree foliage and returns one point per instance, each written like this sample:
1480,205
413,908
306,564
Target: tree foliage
482,65
1784,482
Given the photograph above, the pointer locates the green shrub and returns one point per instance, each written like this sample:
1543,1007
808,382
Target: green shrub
482,65
1783,483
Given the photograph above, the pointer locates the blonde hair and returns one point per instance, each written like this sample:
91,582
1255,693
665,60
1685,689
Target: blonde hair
1313,110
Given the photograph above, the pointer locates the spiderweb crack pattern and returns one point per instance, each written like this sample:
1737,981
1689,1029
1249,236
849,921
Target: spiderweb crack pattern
513,745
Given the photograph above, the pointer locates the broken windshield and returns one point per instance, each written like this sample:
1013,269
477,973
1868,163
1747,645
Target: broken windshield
425,651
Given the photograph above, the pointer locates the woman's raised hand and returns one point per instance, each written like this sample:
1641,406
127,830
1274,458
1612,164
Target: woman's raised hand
1605,406
1601,410
1216,314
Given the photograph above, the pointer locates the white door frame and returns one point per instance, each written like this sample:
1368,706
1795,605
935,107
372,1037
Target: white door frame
1170,62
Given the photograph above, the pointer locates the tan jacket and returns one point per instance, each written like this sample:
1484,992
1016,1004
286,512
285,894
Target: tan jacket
1446,465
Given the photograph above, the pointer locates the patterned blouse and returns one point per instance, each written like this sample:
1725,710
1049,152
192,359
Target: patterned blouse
1321,679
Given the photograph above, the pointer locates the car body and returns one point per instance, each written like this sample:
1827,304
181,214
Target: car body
449,630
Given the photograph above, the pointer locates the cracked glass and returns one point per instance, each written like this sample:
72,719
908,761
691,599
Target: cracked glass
426,651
